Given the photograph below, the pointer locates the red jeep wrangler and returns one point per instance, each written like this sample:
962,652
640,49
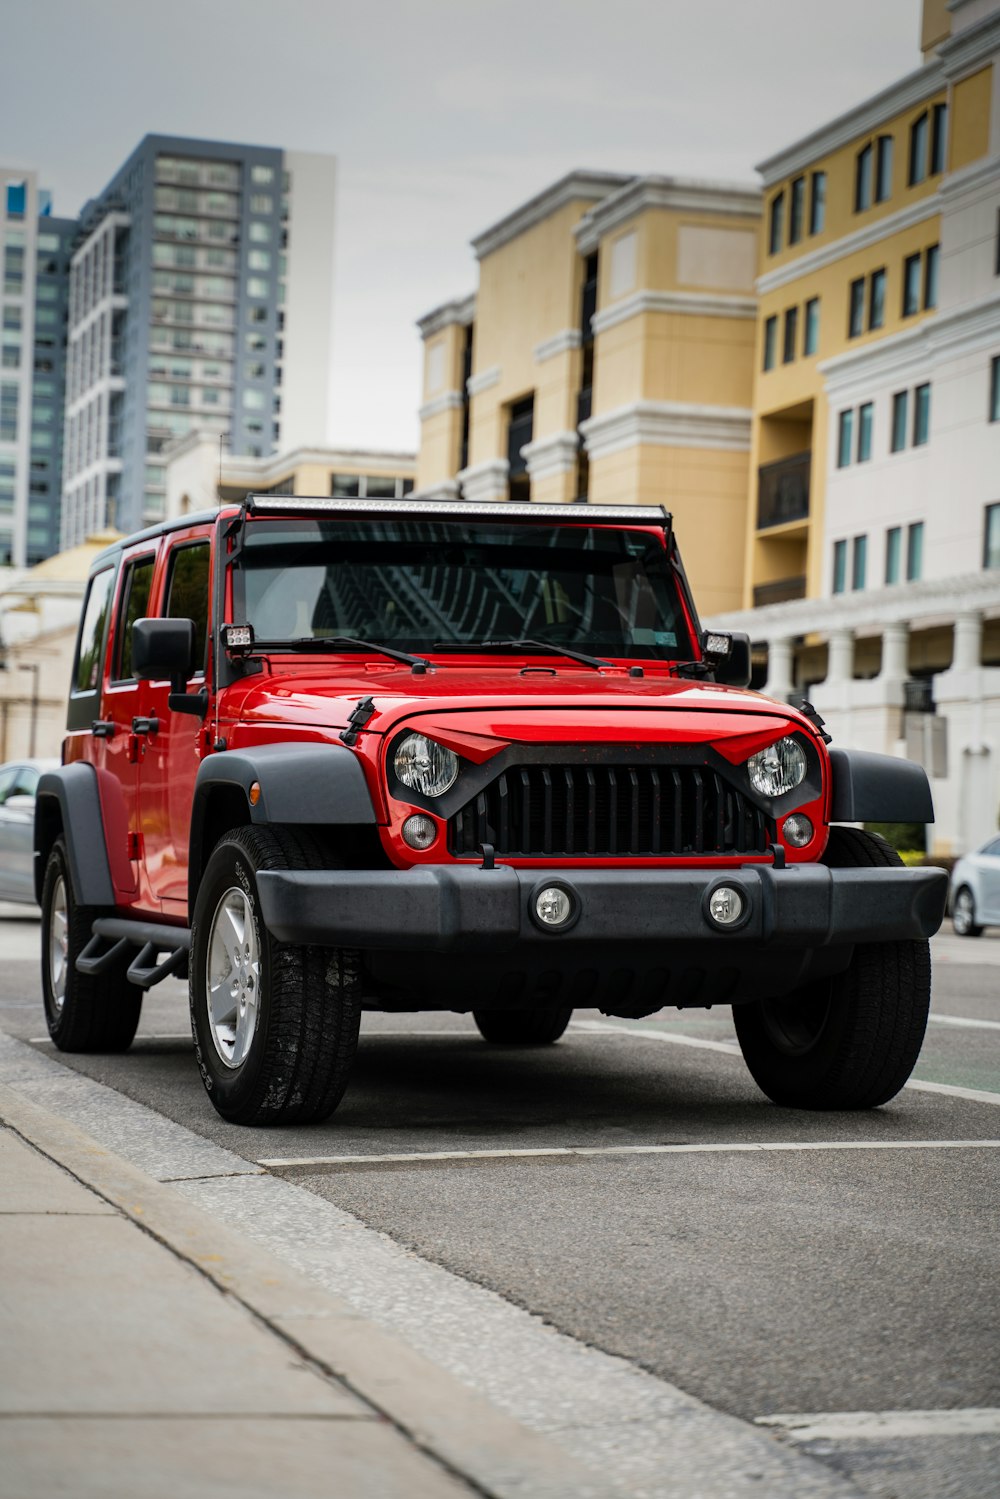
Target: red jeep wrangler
324,755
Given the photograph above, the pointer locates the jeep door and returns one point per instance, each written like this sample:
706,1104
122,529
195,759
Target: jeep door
175,743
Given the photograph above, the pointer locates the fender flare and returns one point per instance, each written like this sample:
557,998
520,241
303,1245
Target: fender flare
68,801
878,788
312,784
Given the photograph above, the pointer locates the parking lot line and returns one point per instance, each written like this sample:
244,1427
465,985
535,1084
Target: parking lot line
564,1152
844,1426
982,1025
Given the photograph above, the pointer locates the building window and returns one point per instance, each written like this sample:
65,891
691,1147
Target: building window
939,137
865,421
995,388
991,537
770,342
796,210
262,176
893,553
900,407
911,285
776,229
914,551
859,562
918,150
921,415
259,260
883,168
856,317
839,566
863,179
931,260
791,334
876,299
345,486
845,438
817,202
811,342
261,203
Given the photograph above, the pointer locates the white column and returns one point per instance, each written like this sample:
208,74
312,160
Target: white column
779,668
840,667
895,652
968,642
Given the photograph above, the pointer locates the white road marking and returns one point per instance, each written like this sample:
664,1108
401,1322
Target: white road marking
141,1036
563,1152
982,1025
844,1426
974,1095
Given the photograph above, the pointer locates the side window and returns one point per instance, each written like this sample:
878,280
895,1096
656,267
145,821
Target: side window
27,781
7,778
87,674
134,605
187,593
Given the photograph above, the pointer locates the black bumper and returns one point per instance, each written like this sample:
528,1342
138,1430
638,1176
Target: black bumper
462,908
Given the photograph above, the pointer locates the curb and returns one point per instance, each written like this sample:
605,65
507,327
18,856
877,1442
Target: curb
469,1437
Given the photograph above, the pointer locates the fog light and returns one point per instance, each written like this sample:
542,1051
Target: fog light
797,830
726,906
553,906
419,831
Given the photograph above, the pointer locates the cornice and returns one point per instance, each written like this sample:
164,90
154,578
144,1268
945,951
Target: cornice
448,400
900,603
684,194
669,424
959,330
858,121
460,310
849,244
559,343
485,380
485,481
689,303
569,189
548,456
969,181
961,53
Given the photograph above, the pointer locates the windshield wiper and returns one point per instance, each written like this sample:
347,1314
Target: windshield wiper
340,642
537,645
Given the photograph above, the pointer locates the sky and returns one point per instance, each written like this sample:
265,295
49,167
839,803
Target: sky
443,115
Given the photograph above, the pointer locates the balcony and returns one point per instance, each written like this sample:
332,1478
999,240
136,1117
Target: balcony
780,591
783,492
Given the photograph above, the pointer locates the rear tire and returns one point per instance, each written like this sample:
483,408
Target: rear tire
537,1027
275,1024
963,914
852,1040
84,1012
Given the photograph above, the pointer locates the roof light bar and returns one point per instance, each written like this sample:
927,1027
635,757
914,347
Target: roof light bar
573,514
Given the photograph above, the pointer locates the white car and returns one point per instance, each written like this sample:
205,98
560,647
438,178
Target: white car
975,890
17,827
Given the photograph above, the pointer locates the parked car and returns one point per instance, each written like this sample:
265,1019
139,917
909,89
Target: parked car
18,781
975,890
325,754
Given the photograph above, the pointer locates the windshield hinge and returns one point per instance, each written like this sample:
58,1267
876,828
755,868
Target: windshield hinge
363,711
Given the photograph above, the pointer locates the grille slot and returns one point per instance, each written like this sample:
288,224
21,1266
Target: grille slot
624,811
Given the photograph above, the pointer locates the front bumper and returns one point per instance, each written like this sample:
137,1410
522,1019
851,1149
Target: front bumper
462,908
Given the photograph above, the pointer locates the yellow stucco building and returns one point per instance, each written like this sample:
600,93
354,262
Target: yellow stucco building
607,355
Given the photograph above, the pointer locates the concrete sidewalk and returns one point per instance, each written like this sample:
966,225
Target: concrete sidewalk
146,1349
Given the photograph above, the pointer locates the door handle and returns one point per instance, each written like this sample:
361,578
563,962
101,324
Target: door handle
103,728
145,726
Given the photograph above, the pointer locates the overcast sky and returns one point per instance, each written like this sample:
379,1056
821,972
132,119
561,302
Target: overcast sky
443,114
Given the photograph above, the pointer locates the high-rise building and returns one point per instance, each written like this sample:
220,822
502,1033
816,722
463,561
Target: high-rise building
200,297
34,248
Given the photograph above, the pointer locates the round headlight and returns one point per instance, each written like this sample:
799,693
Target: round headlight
424,766
778,769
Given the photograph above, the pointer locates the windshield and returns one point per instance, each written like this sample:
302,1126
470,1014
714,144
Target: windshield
419,584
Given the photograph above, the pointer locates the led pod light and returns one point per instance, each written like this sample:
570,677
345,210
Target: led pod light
422,765
778,769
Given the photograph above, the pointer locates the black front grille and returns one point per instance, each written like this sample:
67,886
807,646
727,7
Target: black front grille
543,811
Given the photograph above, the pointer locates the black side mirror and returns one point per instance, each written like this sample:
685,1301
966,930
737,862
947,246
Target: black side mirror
728,654
163,648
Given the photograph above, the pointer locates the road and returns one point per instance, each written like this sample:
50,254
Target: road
776,1265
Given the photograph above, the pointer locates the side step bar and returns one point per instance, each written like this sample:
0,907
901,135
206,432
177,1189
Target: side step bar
112,938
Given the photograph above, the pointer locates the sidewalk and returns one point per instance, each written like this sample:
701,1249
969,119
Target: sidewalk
173,1359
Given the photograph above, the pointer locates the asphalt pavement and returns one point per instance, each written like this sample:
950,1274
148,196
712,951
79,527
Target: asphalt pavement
617,1241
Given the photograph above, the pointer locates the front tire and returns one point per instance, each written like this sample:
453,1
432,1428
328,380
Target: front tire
963,914
852,1040
275,1024
84,1012
537,1027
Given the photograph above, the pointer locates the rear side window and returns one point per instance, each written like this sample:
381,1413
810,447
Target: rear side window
187,593
87,675
134,605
